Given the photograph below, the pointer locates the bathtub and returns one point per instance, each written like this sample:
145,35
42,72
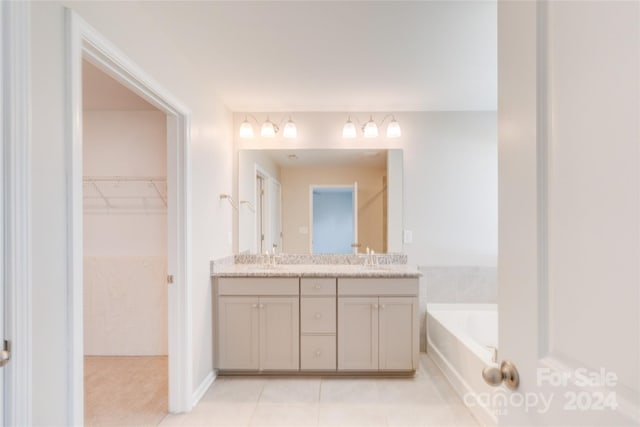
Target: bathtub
457,340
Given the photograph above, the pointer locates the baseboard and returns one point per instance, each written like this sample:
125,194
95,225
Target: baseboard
202,388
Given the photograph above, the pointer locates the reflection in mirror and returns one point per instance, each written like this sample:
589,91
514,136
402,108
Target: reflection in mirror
320,201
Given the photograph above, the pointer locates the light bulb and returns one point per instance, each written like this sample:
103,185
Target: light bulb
370,129
246,130
268,129
290,130
393,130
349,129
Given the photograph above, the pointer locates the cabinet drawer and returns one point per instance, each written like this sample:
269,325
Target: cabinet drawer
318,286
378,287
258,286
318,315
318,353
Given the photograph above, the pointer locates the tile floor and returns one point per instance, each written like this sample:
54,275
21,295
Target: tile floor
424,400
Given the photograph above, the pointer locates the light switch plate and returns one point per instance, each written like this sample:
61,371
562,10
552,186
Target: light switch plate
408,236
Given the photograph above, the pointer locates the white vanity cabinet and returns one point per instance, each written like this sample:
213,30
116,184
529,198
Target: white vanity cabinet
378,324
258,324
316,324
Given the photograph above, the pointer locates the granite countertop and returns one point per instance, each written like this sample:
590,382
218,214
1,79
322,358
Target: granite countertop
315,270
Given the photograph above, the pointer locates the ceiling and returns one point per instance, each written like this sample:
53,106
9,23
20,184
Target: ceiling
338,56
101,92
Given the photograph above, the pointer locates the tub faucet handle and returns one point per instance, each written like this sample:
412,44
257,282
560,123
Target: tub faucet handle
494,356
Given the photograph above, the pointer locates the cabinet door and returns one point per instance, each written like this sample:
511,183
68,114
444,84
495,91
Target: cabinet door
279,333
398,323
238,333
358,333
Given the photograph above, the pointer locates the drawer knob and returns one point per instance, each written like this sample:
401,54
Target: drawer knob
317,316
318,353
261,305
254,305
375,306
317,286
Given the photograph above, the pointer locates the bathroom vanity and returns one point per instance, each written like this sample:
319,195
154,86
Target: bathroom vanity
316,318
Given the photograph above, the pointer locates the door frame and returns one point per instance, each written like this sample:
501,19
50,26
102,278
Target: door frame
267,178
15,128
354,198
84,42
259,224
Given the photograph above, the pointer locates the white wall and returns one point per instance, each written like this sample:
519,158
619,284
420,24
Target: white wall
125,253
450,177
150,46
451,188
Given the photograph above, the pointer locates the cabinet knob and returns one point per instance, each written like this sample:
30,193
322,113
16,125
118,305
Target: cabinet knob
317,316
254,305
261,305
375,306
382,305
317,286
318,353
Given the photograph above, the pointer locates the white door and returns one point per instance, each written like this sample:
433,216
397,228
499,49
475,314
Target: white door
569,190
275,216
2,220
3,284
260,215
355,244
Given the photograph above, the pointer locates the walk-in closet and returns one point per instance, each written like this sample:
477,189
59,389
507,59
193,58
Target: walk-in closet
125,254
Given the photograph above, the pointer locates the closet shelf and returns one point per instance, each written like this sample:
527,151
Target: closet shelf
125,194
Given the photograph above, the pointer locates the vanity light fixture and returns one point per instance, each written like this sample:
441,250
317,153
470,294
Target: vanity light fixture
290,130
349,129
370,128
246,130
268,128
393,129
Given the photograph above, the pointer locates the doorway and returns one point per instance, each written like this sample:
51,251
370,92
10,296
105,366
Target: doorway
260,213
268,205
334,219
124,254
85,43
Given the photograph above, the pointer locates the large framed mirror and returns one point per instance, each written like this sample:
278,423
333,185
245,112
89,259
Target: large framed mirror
320,201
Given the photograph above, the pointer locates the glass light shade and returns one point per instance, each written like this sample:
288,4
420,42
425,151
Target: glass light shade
290,130
268,129
370,129
246,130
393,130
349,130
